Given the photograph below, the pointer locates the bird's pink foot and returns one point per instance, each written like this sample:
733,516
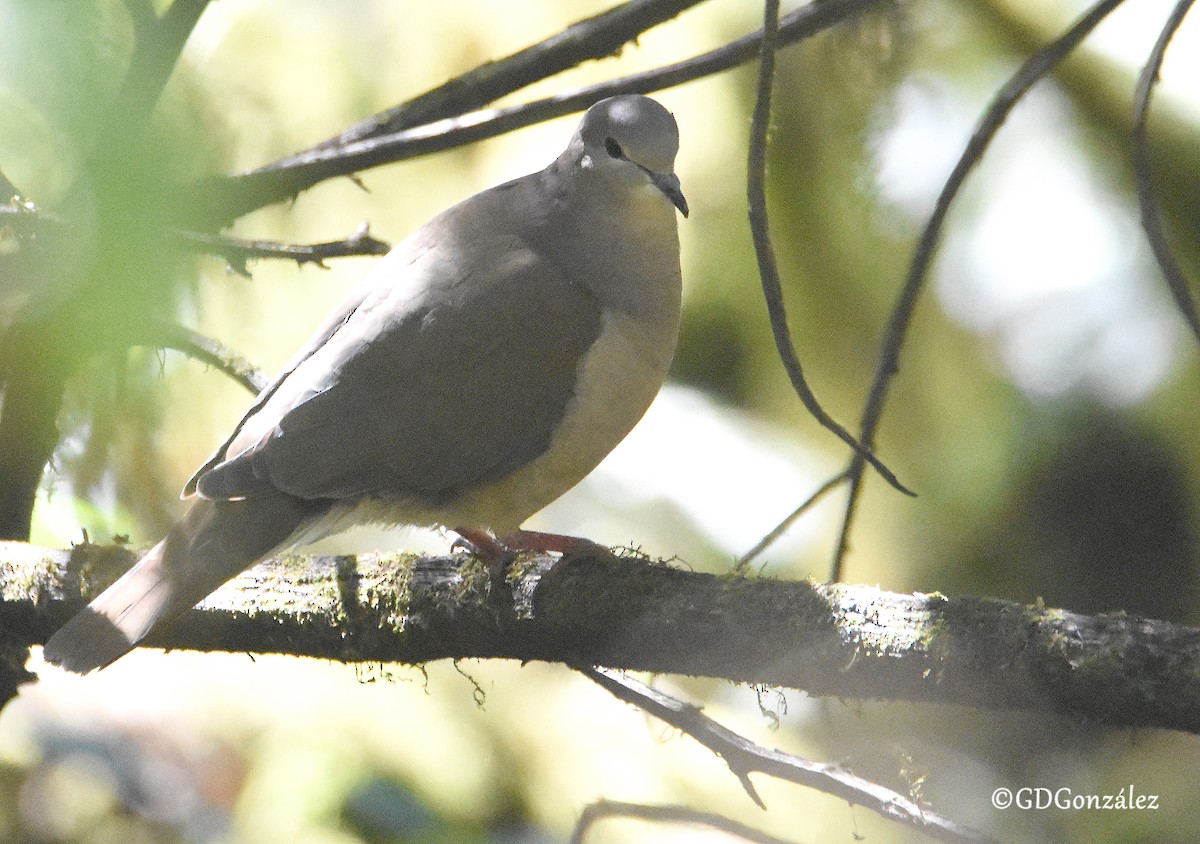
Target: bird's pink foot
482,544
488,547
557,543
499,552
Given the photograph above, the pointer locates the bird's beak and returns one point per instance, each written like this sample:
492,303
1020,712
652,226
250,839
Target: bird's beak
668,183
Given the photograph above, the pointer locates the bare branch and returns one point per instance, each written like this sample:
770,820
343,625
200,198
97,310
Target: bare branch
171,335
1177,282
629,613
676,814
237,252
888,364
221,199
768,269
593,38
744,757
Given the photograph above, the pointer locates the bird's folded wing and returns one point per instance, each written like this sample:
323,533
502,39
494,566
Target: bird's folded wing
455,376
326,330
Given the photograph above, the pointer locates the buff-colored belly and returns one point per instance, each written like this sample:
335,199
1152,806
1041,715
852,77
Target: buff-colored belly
621,375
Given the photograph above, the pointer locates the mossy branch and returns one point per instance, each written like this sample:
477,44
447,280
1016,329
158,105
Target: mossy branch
631,613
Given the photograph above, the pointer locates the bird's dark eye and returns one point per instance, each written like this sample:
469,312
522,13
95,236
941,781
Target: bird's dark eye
613,148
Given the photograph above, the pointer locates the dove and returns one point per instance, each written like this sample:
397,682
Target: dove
483,368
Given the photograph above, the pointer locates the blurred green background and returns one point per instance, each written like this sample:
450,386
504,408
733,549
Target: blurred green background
1046,412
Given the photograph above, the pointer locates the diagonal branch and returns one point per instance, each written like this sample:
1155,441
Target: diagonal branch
744,757
596,37
159,43
171,335
743,563
221,199
1177,282
1034,68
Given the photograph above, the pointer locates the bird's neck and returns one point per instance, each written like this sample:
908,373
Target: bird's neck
628,240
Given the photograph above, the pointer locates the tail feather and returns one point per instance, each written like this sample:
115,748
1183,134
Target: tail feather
214,542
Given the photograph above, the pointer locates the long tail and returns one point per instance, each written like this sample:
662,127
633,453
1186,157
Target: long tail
214,542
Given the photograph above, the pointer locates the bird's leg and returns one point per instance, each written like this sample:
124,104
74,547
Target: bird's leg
491,550
499,553
480,543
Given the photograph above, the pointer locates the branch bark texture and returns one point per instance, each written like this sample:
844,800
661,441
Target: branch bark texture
630,613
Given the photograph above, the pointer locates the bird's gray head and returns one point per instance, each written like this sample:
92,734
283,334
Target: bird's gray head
631,140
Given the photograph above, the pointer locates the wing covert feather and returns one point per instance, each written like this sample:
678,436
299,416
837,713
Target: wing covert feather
420,395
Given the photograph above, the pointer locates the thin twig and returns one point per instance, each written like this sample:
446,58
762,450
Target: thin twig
780,529
1152,224
744,757
1037,66
221,199
171,335
676,814
768,269
237,252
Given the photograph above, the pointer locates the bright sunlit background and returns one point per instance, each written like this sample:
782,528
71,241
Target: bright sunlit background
1046,412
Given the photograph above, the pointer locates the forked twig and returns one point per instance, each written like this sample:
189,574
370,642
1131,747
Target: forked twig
780,529
1139,155
744,757
768,269
1018,85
